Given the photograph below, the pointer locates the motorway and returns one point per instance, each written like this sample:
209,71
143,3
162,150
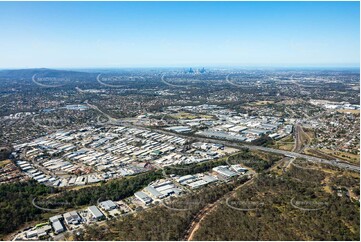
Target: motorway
298,141
334,163
266,149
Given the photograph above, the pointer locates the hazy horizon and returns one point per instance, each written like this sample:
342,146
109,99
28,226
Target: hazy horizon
349,67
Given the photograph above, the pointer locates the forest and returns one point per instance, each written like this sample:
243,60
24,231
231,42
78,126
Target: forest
114,190
295,206
16,208
159,222
15,204
298,203
256,160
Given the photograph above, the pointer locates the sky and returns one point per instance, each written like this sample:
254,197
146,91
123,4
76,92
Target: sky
171,34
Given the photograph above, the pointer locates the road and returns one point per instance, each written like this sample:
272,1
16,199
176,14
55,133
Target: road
208,209
111,120
338,164
267,149
298,142
195,225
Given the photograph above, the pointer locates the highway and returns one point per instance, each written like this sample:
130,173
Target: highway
266,149
334,163
298,142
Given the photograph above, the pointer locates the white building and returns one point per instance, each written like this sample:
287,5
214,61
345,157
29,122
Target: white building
143,197
95,213
107,205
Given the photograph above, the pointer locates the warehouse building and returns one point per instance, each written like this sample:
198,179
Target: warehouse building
180,129
238,168
154,193
108,205
95,213
56,224
58,227
72,217
224,171
185,179
143,197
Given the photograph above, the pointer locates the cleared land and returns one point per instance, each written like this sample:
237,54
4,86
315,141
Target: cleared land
260,103
349,111
285,143
185,115
4,162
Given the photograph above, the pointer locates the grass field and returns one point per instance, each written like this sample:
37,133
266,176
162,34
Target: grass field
185,115
260,103
285,143
331,154
349,111
4,162
342,155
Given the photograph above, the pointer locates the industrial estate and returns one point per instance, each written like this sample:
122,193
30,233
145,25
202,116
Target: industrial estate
180,121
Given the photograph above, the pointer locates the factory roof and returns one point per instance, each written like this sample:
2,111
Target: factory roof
107,205
95,212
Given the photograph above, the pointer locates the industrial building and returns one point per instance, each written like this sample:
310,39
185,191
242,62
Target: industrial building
143,197
57,224
95,213
224,171
108,205
154,192
72,217
58,227
239,169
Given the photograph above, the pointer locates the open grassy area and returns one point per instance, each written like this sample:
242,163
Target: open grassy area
287,147
310,134
343,155
349,111
4,162
75,188
331,154
317,153
285,143
260,103
185,115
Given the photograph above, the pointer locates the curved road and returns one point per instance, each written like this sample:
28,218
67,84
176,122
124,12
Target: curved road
237,146
267,149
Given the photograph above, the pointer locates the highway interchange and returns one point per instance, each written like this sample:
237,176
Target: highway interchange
335,163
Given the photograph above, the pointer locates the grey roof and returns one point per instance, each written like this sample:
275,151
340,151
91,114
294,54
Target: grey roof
209,179
142,196
73,215
55,218
95,212
184,178
172,190
224,171
222,135
57,226
228,172
197,183
44,229
153,191
177,190
108,204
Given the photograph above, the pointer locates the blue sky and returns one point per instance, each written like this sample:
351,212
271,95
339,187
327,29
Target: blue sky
151,34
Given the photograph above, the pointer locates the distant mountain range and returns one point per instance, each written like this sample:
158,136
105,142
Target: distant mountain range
27,73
